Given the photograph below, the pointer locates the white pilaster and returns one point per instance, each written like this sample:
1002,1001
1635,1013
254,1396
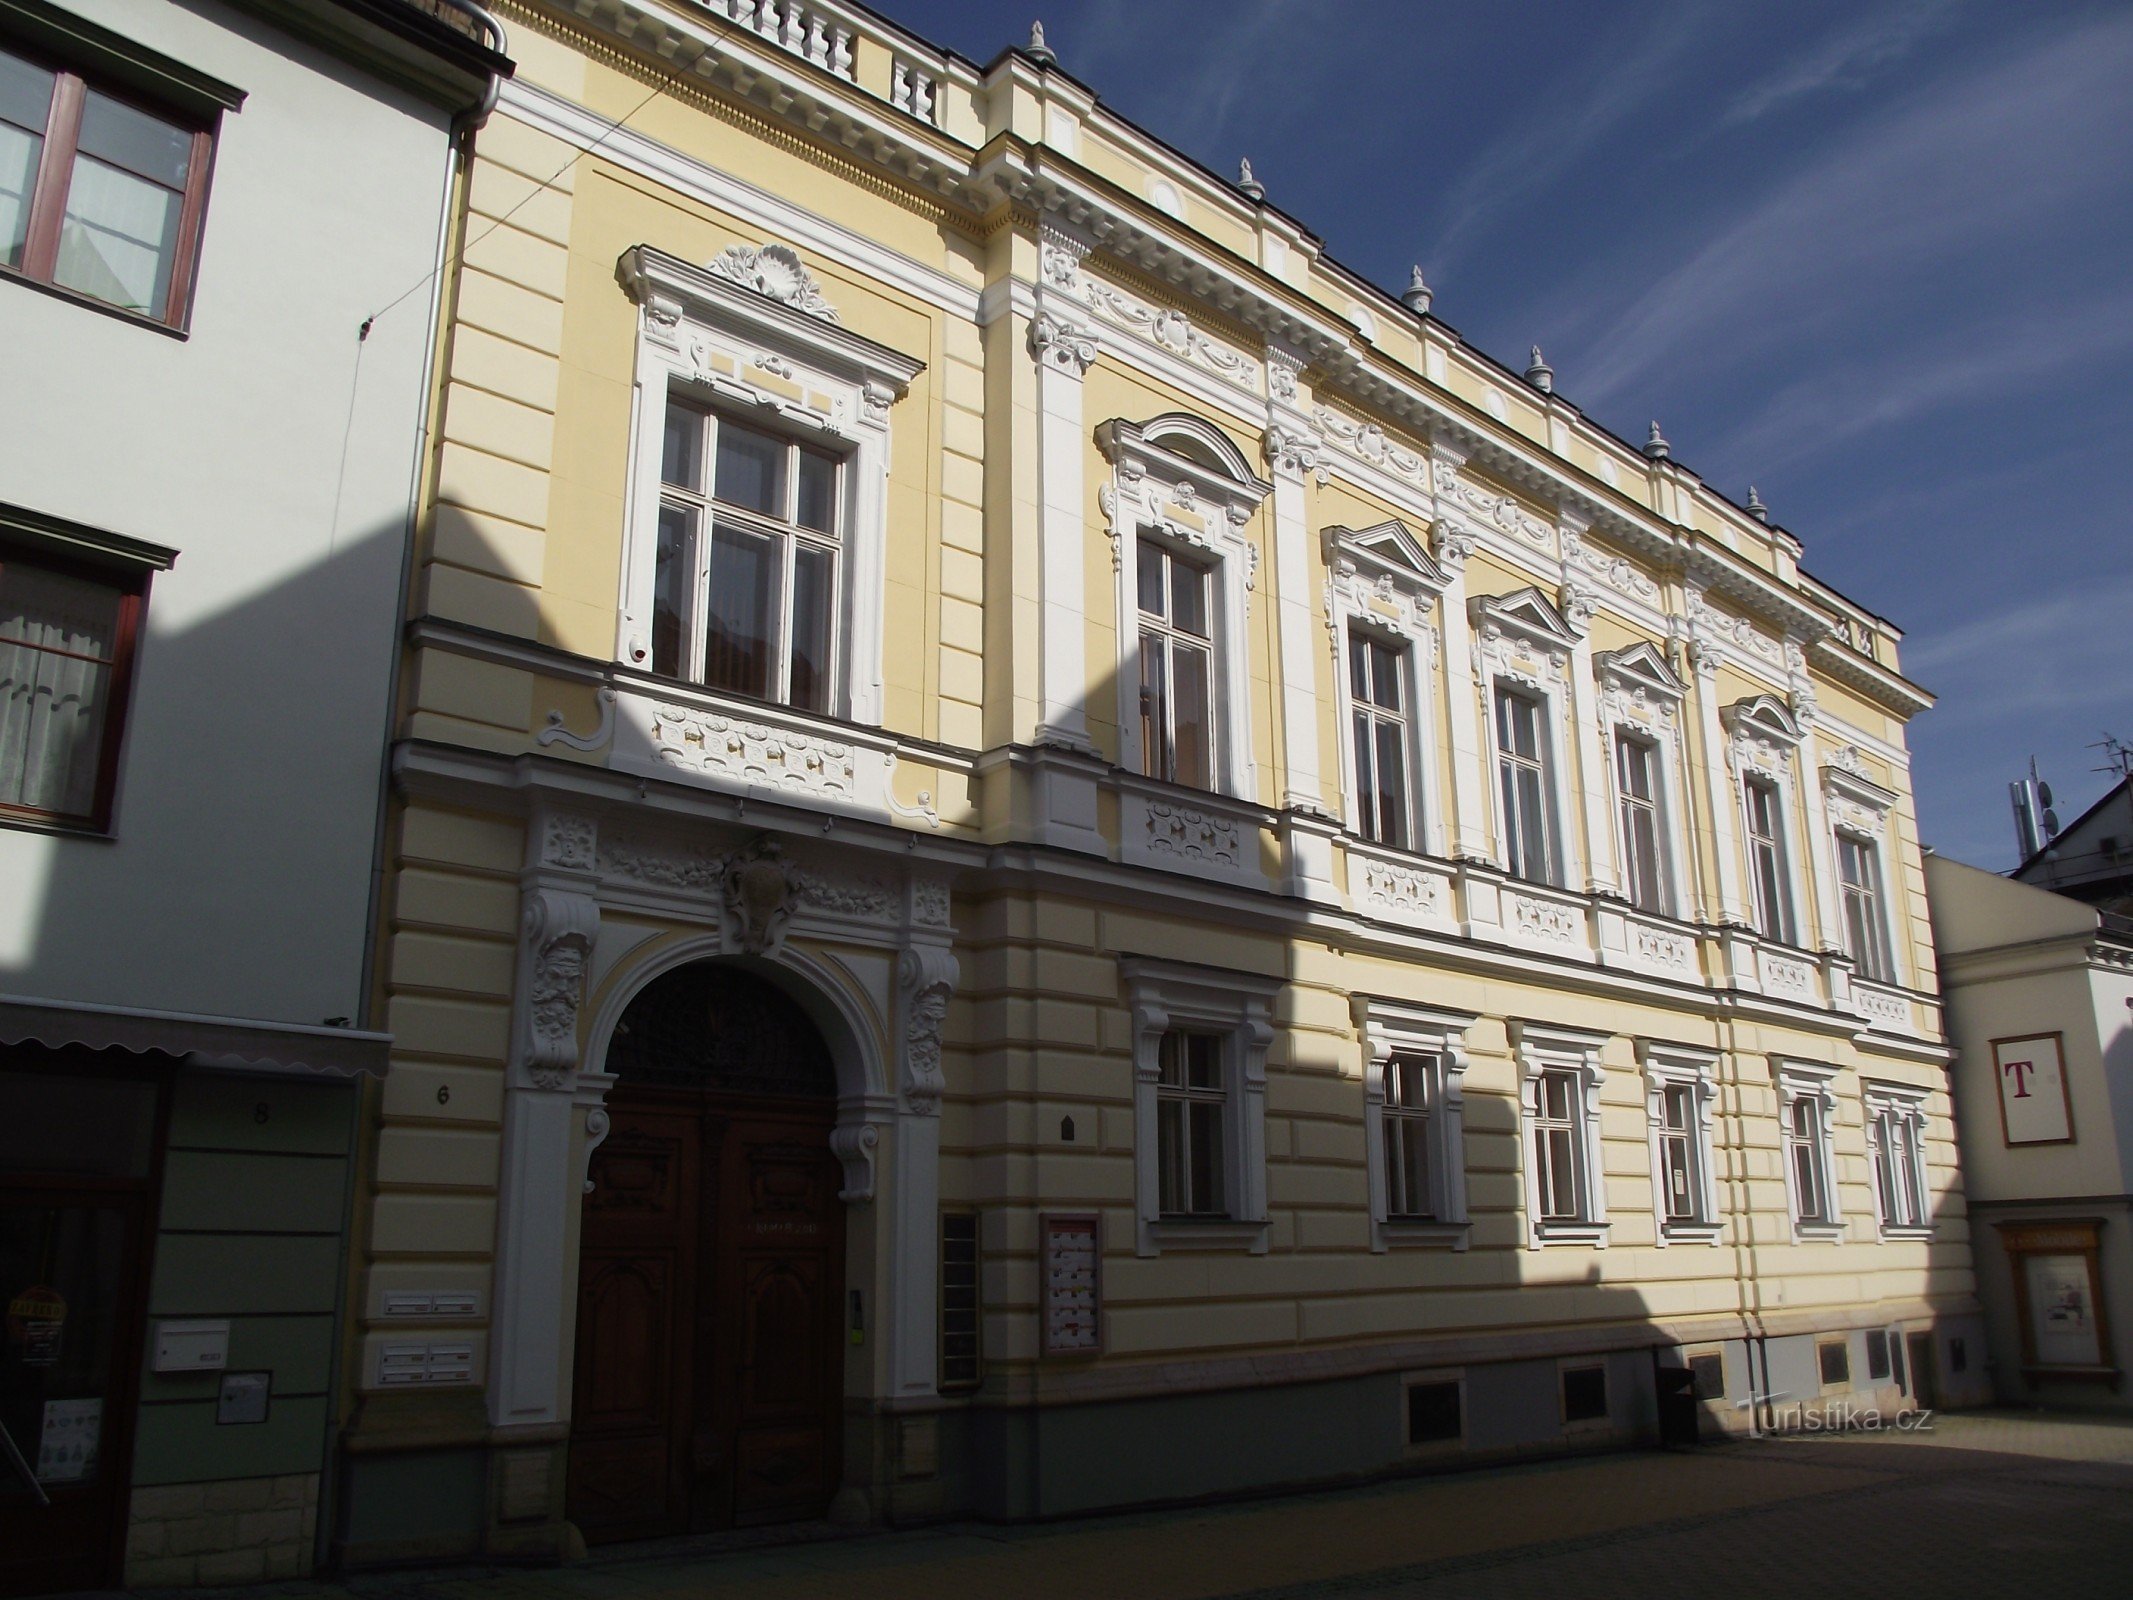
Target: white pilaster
1452,545
1595,784
1719,792
1063,349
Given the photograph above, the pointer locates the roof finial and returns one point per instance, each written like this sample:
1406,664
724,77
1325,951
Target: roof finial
1038,50
1656,446
1417,295
1756,508
1540,374
1252,188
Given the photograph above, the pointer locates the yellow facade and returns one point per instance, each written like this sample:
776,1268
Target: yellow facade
1020,290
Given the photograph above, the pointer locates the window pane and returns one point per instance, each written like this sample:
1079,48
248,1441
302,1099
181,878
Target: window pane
673,576
681,455
1407,1081
737,634
1532,817
1407,1166
817,492
1155,708
1189,717
1555,1095
1647,887
1188,599
119,238
1366,783
133,141
1170,1060
1203,1056
1359,668
1678,1108
57,638
1392,785
1559,1195
25,103
1170,1156
751,469
1208,1195
813,592
1150,562
1635,760
1803,1178
1385,675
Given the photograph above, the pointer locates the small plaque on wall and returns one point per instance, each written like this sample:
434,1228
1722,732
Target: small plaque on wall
1073,1285
2033,1101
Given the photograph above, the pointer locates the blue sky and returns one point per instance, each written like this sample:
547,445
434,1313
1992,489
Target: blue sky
1876,259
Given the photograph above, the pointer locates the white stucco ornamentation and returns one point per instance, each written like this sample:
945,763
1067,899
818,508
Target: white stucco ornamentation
775,272
1061,345
558,928
927,977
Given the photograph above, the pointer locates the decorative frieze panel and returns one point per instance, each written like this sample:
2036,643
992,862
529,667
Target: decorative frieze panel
1664,951
1457,492
1882,1008
1205,835
1786,977
1617,573
1401,889
1533,917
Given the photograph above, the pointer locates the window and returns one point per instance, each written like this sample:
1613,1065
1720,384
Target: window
1584,1394
1522,772
1895,1136
1865,934
100,194
1708,1376
745,595
1678,1096
1200,1038
1805,1106
1877,1355
1414,1122
1435,1412
1637,789
1176,667
68,624
961,1351
1377,686
1835,1359
1767,865
1190,1101
1561,1103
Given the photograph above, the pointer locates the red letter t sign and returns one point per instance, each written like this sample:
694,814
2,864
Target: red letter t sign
2020,1070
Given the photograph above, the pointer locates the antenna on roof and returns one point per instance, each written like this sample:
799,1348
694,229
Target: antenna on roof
2117,756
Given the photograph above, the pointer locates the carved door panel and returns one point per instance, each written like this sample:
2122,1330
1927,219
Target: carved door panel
776,1403
638,1284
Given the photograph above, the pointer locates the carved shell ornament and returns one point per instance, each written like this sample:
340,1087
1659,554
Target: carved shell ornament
776,273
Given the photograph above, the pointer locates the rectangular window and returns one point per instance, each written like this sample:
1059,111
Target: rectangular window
1176,661
1836,1362
1636,782
1877,1355
1584,1394
1191,1100
1807,1158
1377,688
1678,1129
1408,1195
745,592
1522,772
1865,934
1558,1140
1767,862
1434,1413
100,193
961,1366
1896,1144
66,650
1708,1376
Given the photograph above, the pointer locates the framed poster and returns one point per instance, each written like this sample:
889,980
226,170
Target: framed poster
1071,1248
2034,1108
2062,1311
2059,1297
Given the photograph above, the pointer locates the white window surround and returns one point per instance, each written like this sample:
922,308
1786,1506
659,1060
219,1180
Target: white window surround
1860,807
1641,695
1239,1008
1673,1066
1184,483
1797,1080
740,336
1897,1112
1541,1047
1392,1028
1764,743
1383,579
1523,645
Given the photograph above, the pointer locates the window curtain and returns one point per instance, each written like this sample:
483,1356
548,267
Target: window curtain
57,638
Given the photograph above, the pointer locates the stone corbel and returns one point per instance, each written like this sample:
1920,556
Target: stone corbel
1291,453
759,897
1062,346
559,928
853,1144
927,974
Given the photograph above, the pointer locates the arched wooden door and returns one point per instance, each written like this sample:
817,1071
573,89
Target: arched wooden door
708,1387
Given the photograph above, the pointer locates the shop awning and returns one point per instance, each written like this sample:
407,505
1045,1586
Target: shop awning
222,1043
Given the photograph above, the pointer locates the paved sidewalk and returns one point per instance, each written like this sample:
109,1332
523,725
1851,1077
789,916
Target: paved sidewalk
1985,1504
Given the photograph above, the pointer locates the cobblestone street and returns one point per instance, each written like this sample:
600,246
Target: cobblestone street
1984,1504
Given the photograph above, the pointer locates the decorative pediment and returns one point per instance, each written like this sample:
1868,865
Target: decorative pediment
1527,614
1856,800
1641,668
775,272
1387,554
1195,459
1764,718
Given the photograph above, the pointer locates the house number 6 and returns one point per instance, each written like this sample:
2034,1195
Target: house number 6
444,1094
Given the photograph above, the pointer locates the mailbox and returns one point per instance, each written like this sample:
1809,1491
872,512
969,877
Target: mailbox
192,1346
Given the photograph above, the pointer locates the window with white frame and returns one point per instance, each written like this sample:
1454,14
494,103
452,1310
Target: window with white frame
1525,787
1383,738
1769,863
750,526
1806,1111
1866,934
1560,1075
1200,1038
1679,1096
1637,790
1896,1147
756,509
1414,1122
1176,667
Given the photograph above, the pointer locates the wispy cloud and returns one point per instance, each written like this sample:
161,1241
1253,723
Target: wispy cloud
1214,71
1912,194
2051,654
1847,59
